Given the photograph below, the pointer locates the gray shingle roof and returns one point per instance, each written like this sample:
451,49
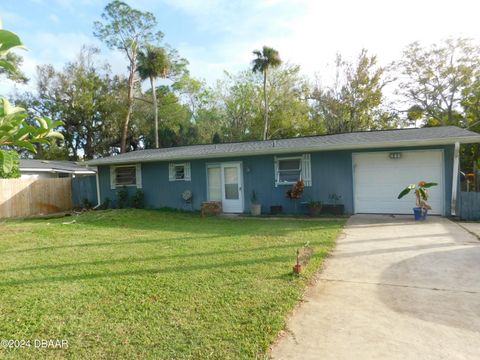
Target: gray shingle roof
357,140
54,165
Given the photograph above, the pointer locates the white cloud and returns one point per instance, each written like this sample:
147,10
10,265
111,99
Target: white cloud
9,19
116,60
53,18
310,33
306,32
59,48
71,4
237,18
383,28
55,49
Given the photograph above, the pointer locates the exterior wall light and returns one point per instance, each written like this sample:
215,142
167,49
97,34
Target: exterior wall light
395,155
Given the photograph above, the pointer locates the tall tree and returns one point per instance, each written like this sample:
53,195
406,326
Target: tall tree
265,59
240,98
440,85
127,30
13,72
87,99
202,104
194,93
435,80
289,103
239,102
153,63
354,101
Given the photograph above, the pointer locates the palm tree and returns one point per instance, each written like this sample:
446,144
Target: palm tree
154,63
265,59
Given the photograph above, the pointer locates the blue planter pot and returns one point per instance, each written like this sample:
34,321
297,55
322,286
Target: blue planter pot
419,214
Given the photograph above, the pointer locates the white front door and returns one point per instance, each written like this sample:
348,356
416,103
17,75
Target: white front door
232,194
225,185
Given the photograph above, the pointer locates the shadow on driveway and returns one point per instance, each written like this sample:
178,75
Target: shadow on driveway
454,274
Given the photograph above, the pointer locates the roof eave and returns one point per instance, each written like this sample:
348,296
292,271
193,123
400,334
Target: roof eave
271,151
49,170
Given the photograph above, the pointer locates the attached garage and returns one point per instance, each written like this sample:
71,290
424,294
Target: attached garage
378,178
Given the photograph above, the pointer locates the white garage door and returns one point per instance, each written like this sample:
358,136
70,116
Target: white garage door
378,180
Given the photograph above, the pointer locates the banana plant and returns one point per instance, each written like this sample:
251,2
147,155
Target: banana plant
15,131
421,193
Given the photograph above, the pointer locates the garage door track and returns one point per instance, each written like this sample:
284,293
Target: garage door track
393,289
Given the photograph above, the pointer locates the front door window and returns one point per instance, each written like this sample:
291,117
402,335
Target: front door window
231,182
214,183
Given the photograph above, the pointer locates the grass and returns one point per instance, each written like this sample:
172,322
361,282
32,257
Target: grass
135,284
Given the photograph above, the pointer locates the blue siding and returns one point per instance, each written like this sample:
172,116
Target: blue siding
469,206
105,191
84,187
331,173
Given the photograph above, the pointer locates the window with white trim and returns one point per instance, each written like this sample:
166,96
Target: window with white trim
125,175
289,170
179,172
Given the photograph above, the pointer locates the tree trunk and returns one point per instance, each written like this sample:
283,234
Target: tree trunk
155,109
265,100
131,85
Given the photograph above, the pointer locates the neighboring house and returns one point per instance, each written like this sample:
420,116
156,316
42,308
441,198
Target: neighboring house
366,170
43,169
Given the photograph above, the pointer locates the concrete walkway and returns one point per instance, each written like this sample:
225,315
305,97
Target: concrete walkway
393,289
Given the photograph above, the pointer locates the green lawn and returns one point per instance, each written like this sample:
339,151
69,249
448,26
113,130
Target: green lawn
140,284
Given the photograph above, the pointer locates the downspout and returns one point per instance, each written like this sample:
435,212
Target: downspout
99,202
456,160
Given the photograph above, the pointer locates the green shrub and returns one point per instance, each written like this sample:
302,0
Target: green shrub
138,199
122,197
106,204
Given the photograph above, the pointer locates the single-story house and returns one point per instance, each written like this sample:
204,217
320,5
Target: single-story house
364,171
44,169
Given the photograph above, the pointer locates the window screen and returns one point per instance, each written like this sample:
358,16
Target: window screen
289,170
126,175
179,172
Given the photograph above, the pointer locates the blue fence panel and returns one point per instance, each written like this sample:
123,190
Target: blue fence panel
84,188
470,205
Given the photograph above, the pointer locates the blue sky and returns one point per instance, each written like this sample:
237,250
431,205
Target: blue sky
218,35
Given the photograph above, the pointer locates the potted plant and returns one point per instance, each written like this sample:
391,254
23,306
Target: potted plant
421,197
255,206
314,207
297,268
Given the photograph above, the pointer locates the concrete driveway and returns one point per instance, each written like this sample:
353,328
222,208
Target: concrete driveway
393,289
